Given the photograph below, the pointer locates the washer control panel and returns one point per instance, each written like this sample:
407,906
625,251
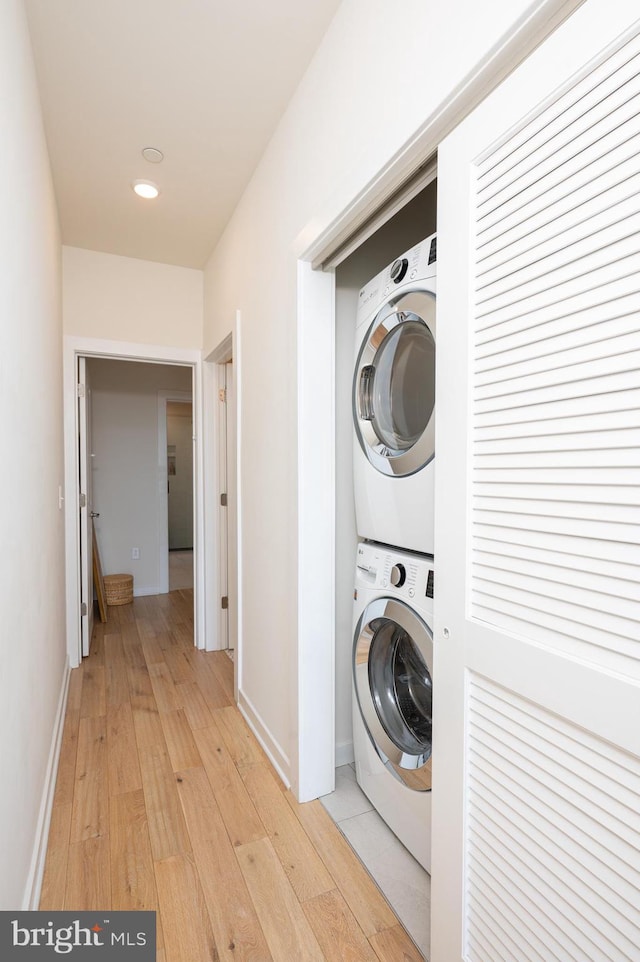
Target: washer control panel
415,264
403,573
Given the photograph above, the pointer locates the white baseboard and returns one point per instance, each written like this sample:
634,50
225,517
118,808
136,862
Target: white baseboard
277,757
344,754
31,898
142,592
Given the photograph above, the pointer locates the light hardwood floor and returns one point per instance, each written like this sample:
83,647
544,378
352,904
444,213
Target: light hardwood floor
164,800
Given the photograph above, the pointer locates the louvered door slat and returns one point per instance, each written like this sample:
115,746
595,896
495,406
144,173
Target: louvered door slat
617,925
583,569
608,356
560,524
614,262
578,458
559,111
507,592
519,898
612,401
488,902
559,738
536,882
566,494
562,335
620,485
613,439
582,392
609,553
564,157
555,763
554,817
563,208
533,583
557,275
610,221
558,427
584,307
563,201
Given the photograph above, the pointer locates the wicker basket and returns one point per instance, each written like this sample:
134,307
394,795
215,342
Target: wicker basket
118,589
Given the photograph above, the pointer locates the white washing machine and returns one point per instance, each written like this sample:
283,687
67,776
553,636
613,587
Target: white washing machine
393,402
392,687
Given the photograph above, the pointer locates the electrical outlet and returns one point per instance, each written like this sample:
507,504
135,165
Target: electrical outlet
135,554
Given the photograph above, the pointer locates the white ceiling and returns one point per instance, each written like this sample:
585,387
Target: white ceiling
202,80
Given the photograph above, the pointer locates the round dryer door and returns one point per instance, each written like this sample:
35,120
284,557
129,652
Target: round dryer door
394,386
392,669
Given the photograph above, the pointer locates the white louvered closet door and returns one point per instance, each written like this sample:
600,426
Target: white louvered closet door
536,799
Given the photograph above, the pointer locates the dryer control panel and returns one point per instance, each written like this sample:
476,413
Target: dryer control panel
413,266
403,574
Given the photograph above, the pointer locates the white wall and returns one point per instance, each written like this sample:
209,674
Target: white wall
125,299
125,467
32,643
378,74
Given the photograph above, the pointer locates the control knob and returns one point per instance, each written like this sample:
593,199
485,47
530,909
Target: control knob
399,269
398,575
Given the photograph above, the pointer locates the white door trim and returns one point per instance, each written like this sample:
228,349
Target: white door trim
312,669
313,665
227,350
163,498
74,347
85,480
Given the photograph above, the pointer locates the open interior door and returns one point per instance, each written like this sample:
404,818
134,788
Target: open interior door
223,513
536,754
86,505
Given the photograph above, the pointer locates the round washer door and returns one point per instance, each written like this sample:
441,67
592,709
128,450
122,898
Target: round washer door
394,386
392,671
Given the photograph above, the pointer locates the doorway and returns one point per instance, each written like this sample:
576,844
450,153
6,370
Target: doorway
179,422
176,440
226,475
131,404
128,552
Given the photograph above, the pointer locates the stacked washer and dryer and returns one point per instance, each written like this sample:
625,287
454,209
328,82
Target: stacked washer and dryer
394,413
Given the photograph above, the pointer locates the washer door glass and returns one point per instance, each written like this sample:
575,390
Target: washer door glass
401,688
394,387
392,671
403,386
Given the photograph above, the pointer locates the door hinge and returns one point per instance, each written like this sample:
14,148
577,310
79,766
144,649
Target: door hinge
80,390
224,603
223,500
83,608
83,500
222,395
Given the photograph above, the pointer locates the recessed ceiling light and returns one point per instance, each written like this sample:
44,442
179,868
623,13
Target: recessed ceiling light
153,155
146,189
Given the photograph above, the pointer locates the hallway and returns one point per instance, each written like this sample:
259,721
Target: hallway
165,801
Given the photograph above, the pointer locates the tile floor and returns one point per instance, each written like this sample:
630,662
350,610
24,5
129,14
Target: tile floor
405,884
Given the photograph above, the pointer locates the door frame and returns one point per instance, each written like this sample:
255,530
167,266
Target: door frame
74,347
85,515
312,670
230,581
184,397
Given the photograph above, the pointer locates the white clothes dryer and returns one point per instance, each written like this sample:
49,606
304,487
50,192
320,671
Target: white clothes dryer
394,402
393,689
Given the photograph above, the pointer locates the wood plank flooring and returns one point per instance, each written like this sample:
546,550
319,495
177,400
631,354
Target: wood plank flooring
165,801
